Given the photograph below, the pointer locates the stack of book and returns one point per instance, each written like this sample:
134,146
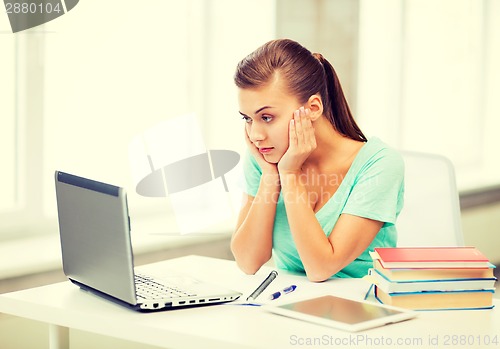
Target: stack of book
433,278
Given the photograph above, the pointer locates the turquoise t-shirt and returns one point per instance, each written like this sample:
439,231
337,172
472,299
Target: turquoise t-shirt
372,188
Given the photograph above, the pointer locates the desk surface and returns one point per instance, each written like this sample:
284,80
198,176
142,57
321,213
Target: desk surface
238,326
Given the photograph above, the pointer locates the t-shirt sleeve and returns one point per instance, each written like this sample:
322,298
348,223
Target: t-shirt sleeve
252,173
377,191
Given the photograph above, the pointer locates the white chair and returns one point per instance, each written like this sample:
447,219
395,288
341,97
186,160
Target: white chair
431,212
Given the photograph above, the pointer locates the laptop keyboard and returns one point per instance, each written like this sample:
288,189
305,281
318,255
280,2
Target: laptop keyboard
147,288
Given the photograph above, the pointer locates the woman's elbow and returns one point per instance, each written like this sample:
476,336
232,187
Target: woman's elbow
317,277
320,274
248,264
248,269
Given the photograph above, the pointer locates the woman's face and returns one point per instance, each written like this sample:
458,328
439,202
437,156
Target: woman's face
267,112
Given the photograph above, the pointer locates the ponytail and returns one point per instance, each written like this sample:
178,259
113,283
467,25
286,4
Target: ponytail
338,111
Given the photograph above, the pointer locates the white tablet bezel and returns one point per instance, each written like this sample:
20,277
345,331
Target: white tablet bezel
403,314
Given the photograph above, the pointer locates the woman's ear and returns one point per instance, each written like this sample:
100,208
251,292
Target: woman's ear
315,104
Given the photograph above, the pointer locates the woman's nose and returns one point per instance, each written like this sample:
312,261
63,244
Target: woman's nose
256,133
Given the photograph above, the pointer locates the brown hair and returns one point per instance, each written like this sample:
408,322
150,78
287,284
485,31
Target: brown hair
305,74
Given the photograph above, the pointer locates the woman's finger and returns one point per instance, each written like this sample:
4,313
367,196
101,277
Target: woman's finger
292,134
309,136
299,127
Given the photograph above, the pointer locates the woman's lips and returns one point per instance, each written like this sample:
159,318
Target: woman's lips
265,150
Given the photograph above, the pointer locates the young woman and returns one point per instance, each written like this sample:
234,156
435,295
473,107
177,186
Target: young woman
319,195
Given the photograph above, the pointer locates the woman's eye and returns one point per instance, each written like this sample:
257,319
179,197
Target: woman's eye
247,119
266,118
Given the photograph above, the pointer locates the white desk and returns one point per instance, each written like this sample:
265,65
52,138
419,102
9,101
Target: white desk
64,306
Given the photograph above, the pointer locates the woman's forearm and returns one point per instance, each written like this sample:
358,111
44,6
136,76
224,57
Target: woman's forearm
252,242
315,250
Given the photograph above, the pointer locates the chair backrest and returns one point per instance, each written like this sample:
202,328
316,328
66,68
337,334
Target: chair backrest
431,212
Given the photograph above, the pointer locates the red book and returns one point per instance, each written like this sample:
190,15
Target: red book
431,257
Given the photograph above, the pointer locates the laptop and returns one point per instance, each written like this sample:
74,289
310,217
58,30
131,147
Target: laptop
94,227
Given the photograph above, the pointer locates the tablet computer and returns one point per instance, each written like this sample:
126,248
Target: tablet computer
342,313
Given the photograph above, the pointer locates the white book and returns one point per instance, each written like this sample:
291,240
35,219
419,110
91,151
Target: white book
390,286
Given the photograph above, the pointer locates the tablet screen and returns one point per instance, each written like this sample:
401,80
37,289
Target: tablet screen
341,313
340,309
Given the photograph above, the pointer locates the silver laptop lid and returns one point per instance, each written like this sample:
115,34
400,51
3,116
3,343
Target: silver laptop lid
95,235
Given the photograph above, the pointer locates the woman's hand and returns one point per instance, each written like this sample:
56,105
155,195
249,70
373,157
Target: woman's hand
267,167
302,142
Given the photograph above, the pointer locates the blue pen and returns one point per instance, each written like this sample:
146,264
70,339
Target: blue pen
286,290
